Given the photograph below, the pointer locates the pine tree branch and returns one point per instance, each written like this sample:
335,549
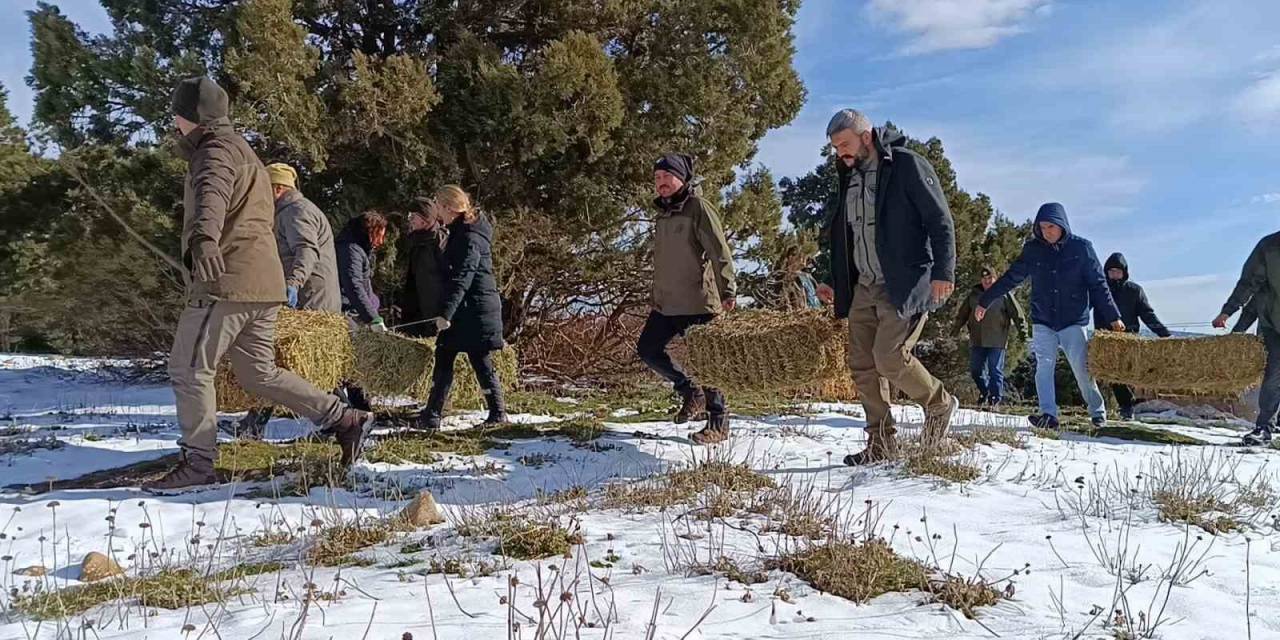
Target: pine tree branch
74,171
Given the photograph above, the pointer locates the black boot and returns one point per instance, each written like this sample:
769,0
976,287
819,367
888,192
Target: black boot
432,414
350,430
497,408
692,407
1259,437
191,474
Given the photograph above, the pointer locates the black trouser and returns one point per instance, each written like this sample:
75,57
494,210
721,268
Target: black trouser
486,375
1269,394
1124,397
659,331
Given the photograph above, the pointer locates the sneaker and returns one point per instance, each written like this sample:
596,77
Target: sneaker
1043,421
879,449
693,406
1259,437
1098,422
1126,415
936,426
717,430
191,474
350,430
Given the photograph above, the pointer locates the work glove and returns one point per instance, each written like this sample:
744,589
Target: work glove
441,324
291,293
206,261
378,325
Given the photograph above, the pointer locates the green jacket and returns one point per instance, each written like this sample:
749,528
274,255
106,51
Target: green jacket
993,331
1260,277
693,270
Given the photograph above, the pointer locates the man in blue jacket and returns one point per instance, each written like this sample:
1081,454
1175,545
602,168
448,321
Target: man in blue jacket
1066,280
893,261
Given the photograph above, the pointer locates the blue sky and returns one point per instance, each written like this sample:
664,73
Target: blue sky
1156,123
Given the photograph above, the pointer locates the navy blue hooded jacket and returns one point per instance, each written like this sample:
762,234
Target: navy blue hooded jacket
1066,277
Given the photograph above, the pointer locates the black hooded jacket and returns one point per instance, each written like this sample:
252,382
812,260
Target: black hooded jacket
915,234
356,263
1130,299
471,300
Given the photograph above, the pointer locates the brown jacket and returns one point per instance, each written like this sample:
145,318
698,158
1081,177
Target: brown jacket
228,201
693,270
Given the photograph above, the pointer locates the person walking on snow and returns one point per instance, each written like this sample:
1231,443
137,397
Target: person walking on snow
1066,280
1259,286
1131,301
470,319
693,282
423,293
989,338
305,242
234,287
893,261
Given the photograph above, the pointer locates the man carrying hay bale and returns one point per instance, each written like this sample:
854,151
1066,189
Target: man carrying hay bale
1131,301
693,282
893,260
305,243
989,337
1066,279
235,285
1259,284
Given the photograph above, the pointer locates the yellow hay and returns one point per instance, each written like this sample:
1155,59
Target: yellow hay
1223,365
390,364
791,353
313,344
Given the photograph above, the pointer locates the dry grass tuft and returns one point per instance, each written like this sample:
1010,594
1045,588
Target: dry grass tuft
856,571
311,463
964,594
946,461
174,589
527,540
676,487
989,436
334,545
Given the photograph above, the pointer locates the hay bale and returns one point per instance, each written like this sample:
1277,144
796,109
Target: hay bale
391,364
772,352
1210,365
313,344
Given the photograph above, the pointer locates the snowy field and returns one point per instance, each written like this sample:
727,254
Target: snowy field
1071,532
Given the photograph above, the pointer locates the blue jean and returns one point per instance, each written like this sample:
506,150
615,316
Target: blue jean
1074,342
986,365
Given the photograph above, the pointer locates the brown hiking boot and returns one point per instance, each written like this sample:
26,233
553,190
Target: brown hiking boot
191,474
694,406
717,430
936,425
881,446
350,431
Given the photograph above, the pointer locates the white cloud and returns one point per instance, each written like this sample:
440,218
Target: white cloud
1188,303
942,25
1266,198
1259,103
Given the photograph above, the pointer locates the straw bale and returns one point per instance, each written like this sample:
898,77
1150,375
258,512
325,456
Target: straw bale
313,344
1222,365
791,353
391,364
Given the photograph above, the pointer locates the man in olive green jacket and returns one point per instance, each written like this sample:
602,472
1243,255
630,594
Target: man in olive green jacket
693,281
1259,286
235,284
989,337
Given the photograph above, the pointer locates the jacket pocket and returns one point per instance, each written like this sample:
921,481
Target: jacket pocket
202,336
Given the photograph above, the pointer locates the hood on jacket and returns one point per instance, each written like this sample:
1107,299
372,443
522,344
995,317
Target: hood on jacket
480,227
1117,261
1054,213
887,141
200,100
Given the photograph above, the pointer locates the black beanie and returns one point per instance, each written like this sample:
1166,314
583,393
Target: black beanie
200,100
677,164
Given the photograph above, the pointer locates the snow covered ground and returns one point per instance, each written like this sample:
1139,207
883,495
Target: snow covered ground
1067,522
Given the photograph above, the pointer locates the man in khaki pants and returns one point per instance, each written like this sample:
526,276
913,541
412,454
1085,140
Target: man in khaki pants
234,291
893,259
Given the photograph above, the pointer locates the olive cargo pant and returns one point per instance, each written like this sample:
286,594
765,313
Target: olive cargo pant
880,344
245,333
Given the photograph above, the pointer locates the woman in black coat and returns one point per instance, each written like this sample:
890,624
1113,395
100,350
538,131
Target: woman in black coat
470,319
356,246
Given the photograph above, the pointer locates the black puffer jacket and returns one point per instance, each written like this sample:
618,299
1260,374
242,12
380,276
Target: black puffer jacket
355,272
423,293
1130,299
471,300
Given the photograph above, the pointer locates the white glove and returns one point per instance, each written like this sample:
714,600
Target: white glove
379,326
